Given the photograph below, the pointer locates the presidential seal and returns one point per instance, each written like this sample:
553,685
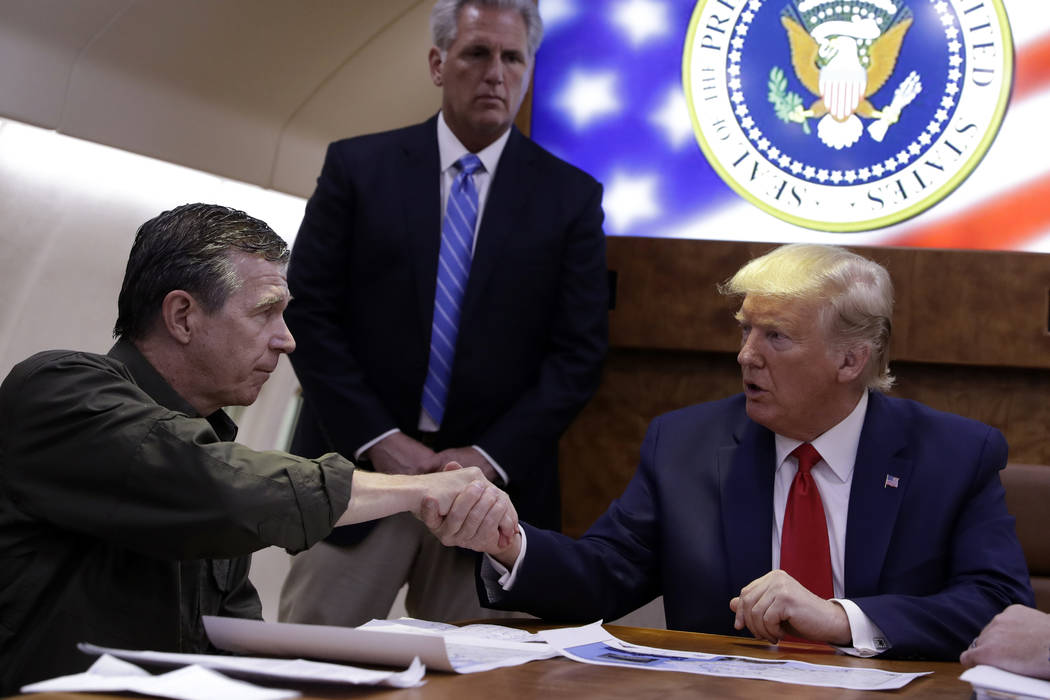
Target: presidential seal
846,115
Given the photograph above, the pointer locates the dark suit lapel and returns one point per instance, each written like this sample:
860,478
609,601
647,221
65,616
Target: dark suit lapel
508,193
873,503
745,475
420,173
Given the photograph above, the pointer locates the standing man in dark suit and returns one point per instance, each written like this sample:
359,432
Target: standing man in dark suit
450,304
811,505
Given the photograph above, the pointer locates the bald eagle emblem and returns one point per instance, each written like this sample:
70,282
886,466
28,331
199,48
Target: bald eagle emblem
843,53
846,115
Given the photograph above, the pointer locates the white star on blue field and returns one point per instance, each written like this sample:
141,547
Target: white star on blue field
608,98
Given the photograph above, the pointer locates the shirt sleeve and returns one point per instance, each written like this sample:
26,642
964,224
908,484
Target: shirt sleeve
89,451
868,639
494,572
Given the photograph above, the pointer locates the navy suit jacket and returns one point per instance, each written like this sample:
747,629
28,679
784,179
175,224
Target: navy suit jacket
930,561
533,329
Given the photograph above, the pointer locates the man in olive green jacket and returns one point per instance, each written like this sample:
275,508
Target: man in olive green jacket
126,510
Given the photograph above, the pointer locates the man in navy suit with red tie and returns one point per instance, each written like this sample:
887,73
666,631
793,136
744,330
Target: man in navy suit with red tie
810,506
450,301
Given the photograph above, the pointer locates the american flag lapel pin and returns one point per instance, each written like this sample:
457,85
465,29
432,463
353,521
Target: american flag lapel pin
891,482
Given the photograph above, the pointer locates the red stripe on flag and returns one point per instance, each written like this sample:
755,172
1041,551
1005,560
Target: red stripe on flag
1002,223
1032,68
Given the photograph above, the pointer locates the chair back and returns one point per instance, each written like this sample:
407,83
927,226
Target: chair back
1028,499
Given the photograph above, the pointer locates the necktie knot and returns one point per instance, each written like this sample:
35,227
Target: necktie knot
807,456
467,165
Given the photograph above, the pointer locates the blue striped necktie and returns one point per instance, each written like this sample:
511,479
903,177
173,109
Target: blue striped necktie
457,240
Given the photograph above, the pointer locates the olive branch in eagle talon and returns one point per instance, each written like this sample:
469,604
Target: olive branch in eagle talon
788,105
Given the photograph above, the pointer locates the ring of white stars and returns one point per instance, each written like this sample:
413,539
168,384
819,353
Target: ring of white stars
876,170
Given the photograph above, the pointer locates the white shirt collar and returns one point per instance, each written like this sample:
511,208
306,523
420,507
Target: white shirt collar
450,149
837,445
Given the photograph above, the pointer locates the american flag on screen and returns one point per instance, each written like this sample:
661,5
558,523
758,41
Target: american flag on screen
608,97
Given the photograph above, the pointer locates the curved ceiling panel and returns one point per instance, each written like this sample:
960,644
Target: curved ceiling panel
39,44
386,84
247,89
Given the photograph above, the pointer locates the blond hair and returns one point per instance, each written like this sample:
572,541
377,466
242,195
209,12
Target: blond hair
857,296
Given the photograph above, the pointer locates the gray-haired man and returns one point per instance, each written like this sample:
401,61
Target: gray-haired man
398,372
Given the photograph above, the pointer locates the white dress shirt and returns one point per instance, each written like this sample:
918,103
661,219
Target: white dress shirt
833,475
450,150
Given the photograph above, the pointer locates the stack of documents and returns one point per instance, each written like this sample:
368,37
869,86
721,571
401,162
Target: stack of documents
417,645
383,642
413,645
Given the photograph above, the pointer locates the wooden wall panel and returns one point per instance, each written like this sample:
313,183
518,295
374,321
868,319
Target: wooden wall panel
666,293
975,308
1014,400
961,307
599,452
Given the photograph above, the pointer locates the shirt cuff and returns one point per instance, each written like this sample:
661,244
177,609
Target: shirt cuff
506,577
496,466
364,448
868,639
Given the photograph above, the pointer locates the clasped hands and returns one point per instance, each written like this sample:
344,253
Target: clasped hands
464,509
479,516
398,453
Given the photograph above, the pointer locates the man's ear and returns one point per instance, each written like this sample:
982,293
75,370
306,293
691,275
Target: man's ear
854,360
177,311
437,65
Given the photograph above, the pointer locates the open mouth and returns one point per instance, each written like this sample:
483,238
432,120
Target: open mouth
752,389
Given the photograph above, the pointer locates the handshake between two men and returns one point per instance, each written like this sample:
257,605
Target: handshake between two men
479,517
774,606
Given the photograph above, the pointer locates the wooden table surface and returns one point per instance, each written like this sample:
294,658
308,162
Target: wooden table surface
552,679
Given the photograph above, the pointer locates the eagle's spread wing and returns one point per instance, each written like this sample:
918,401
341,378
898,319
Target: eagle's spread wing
884,52
803,54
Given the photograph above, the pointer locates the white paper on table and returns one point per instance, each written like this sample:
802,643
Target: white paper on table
446,630
274,669
988,678
392,645
478,647
592,644
110,675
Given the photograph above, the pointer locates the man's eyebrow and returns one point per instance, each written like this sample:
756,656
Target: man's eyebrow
272,299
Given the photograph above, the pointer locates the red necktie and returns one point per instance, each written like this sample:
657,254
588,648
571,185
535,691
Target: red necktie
804,549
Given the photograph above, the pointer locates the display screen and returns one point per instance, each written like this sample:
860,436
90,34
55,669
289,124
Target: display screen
614,93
